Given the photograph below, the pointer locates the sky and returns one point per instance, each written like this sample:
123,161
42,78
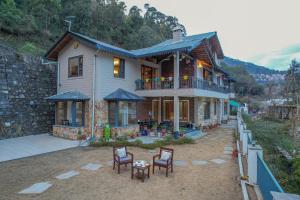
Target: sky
265,32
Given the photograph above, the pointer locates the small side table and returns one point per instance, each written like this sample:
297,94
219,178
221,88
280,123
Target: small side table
140,171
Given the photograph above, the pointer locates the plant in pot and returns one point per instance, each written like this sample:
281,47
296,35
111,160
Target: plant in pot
164,130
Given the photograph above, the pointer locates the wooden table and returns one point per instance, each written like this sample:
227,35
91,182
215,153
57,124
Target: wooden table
140,171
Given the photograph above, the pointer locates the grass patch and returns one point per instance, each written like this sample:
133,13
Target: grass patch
138,143
270,135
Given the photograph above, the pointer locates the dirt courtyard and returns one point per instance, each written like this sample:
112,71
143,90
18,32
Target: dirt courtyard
189,181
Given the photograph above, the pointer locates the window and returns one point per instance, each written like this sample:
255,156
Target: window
207,110
215,108
75,66
225,108
119,68
122,113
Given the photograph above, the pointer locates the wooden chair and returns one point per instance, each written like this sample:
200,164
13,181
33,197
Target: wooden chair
121,161
163,163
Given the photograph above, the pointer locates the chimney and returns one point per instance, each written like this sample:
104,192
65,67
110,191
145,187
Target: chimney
178,33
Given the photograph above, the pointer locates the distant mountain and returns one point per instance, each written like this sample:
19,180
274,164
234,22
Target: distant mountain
260,73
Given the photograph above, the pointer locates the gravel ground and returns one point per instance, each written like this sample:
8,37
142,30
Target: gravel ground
209,181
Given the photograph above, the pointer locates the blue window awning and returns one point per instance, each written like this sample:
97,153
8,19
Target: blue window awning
122,95
68,96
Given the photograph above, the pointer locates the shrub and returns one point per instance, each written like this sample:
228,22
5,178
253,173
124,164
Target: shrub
139,143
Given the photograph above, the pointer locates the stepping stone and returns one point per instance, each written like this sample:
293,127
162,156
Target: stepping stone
151,151
67,175
218,161
228,148
227,152
180,163
110,163
199,162
37,188
91,166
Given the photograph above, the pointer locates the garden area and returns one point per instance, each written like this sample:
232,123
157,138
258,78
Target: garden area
274,137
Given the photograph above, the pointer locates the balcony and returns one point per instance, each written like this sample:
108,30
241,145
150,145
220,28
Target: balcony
184,82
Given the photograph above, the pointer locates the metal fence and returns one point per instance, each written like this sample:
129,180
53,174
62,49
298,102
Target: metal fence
266,180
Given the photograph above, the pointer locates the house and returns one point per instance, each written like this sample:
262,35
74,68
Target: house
178,81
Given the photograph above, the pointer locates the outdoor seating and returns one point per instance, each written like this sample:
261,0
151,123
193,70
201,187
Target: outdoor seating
164,159
121,157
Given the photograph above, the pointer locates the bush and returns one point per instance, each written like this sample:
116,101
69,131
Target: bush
29,47
138,143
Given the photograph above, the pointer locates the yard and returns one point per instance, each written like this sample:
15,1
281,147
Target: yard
274,134
214,176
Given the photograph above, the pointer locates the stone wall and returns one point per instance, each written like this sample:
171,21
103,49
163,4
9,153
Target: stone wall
24,83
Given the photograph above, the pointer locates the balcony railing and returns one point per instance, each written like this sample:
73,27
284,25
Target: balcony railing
192,82
156,83
184,82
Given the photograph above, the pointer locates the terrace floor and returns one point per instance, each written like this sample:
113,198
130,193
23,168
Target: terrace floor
204,170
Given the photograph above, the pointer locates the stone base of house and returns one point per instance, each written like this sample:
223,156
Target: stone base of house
67,132
118,131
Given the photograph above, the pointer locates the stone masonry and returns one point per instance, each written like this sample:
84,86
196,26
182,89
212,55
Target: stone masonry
24,83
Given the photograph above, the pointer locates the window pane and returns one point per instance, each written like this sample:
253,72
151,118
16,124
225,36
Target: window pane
119,68
75,66
123,113
207,110
132,113
111,113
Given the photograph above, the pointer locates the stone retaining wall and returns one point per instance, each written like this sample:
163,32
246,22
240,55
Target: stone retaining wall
24,83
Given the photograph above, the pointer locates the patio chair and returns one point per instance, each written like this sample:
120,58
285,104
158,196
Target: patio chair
119,160
165,159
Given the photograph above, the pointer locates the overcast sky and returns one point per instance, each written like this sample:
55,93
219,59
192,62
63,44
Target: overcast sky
266,32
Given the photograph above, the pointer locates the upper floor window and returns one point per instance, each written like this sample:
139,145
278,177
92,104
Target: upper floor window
119,67
75,66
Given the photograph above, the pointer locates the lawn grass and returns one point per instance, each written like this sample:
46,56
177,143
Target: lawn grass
273,134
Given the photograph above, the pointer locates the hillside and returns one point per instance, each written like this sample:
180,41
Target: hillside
260,73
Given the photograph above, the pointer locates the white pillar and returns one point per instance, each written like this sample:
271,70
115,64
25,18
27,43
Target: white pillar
245,141
176,113
253,151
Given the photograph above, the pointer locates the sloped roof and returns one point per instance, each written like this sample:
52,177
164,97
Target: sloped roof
187,43
69,96
122,95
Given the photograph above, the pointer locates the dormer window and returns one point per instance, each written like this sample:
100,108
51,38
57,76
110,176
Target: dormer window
75,66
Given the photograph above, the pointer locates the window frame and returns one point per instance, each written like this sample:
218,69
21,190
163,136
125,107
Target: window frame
207,111
121,68
69,71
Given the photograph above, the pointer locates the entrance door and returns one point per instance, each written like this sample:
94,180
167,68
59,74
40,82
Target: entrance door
184,110
155,110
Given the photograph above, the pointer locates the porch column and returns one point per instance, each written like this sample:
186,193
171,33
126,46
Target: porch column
176,70
176,113
73,111
221,110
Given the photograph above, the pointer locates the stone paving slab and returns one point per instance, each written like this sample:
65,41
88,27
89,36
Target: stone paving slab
37,188
227,152
180,163
199,162
67,175
228,148
92,166
152,151
110,163
218,161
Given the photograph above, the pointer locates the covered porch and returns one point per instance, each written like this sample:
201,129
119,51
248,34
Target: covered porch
71,114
